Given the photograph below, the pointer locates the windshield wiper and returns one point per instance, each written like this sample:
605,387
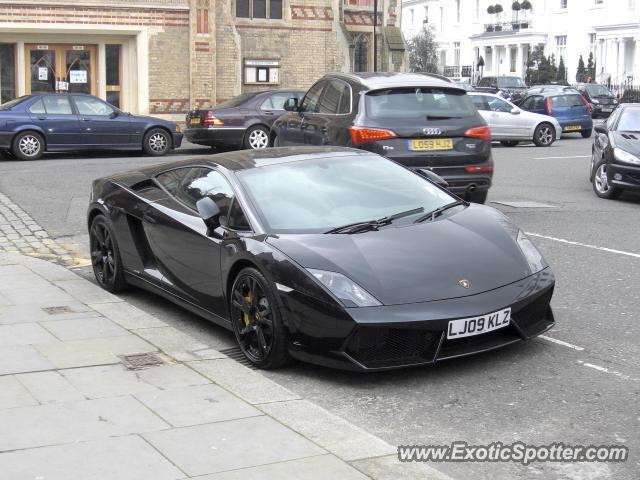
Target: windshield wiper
438,211
373,224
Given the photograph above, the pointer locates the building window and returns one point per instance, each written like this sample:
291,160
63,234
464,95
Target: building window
259,9
441,19
458,11
477,9
592,43
426,14
114,82
456,53
261,71
561,47
563,3
412,17
7,72
361,54
598,2
632,4
202,20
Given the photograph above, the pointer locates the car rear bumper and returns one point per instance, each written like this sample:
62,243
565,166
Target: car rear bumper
409,335
628,176
216,136
584,123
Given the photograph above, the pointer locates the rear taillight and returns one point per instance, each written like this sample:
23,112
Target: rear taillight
483,133
211,119
586,104
547,104
479,169
360,135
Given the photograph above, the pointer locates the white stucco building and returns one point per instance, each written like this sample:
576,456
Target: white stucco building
610,29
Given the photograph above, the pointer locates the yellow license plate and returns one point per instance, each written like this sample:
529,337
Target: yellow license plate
431,144
194,121
571,128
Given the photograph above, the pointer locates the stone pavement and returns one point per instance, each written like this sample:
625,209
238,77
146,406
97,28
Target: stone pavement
72,406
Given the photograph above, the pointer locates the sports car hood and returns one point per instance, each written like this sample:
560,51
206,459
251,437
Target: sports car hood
421,262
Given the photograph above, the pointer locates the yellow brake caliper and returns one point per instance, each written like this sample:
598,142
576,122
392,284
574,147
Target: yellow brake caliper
245,315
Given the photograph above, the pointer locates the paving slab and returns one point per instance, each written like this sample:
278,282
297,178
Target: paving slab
13,394
21,280
84,328
179,345
122,458
93,351
222,446
24,334
36,313
50,387
247,384
68,422
172,376
390,468
40,296
86,292
183,407
106,381
127,315
322,467
22,358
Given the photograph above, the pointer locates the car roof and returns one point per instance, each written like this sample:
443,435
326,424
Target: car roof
378,80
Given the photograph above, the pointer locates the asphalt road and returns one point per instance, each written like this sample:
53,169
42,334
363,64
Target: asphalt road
583,391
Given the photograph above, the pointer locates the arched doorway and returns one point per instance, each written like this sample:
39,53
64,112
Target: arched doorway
361,54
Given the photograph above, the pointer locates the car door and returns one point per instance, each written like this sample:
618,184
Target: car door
329,125
188,258
508,125
101,124
57,119
295,123
273,106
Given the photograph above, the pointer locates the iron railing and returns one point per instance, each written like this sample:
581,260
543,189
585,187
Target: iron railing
508,26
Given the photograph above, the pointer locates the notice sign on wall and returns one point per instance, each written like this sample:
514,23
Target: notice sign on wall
77,76
43,73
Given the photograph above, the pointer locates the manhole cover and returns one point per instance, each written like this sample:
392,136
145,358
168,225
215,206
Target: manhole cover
138,361
57,310
234,353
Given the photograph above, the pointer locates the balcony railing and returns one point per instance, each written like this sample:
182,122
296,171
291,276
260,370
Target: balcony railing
508,26
457,70
358,4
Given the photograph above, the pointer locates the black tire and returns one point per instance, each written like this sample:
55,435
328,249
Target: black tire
275,142
586,133
600,182
105,255
256,138
252,320
478,197
509,143
28,146
544,135
157,142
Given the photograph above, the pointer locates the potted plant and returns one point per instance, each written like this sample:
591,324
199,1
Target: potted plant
498,9
515,6
491,11
525,6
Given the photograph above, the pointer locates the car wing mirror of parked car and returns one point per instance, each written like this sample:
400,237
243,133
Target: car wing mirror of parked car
600,129
114,114
433,177
515,111
291,105
210,214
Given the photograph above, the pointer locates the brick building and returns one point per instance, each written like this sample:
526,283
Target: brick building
166,56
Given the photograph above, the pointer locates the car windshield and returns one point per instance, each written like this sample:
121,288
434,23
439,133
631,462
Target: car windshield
236,101
598,91
418,102
12,103
510,82
567,101
629,120
314,196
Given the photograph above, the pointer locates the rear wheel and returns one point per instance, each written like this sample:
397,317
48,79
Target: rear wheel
478,197
586,133
544,135
105,255
257,320
509,143
157,142
256,138
28,146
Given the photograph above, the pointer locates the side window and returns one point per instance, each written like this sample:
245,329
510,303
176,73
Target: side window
276,101
336,98
237,219
497,105
203,182
480,102
539,103
171,180
37,107
91,106
57,105
311,99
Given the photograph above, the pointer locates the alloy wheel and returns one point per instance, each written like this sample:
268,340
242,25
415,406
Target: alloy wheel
102,254
258,139
545,135
158,142
252,315
29,145
600,179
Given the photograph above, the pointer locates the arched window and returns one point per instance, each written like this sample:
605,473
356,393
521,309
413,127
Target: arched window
361,55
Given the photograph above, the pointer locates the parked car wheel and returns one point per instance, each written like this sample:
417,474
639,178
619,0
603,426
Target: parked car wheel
477,197
601,183
256,138
544,135
105,255
157,142
257,320
586,133
276,141
28,146
509,143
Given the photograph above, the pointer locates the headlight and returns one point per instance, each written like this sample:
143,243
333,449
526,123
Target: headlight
626,157
595,101
177,128
530,252
350,293
615,101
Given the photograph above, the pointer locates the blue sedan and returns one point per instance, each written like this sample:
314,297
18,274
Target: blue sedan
59,122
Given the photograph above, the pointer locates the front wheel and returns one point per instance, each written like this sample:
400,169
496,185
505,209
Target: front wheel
105,255
157,142
257,322
586,133
601,184
256,138
28,146
544,135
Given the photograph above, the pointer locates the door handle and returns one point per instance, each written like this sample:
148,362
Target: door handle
42,118
86,119
269,113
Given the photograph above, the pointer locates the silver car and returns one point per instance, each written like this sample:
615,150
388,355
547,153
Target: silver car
511,125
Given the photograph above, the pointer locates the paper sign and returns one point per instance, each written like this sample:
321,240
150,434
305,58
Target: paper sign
262,74
78,76
61,86
43,73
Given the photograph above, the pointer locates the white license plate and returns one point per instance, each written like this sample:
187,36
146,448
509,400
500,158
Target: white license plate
466,327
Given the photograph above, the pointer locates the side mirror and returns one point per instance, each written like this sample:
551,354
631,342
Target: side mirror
600,129
433,177
515,111
210,214
291,105
114,114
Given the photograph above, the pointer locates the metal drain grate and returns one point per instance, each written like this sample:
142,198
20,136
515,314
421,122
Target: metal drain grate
138,361
234,353
57,310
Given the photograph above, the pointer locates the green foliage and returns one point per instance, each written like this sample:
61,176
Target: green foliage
561,74
516,6
498,8
491,9
526,5
581,72
591,67
540,68
423,52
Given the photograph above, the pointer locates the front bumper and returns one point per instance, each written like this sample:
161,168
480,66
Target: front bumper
409,335
216,136
602,110
628,176
177,139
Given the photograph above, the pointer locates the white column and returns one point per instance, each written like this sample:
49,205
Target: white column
636,61
20,64
621,64
142,59
102,71
519,60
507,59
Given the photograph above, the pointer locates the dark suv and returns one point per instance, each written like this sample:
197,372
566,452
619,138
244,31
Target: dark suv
511,88
420,122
